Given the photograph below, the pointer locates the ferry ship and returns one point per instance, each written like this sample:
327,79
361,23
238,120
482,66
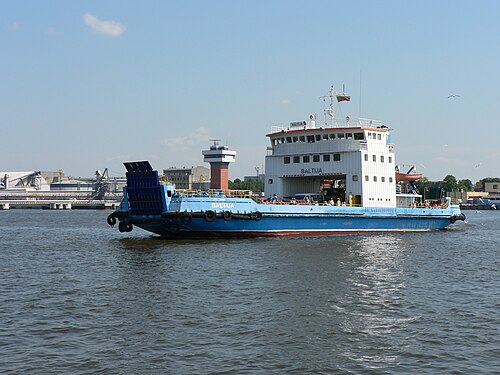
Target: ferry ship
346,169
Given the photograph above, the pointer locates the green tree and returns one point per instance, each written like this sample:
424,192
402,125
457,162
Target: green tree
465,185
450,183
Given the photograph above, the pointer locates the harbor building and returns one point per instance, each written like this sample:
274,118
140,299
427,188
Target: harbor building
194,178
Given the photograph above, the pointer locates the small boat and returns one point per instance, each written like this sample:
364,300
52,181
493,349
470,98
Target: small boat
408,177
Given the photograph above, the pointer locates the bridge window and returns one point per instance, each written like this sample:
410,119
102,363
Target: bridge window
286,160
390,179
316,158
306,158
336,157
325,137
382,179
332,136
318,137
348,135
310,139
340,136
296,159
288,139
302,138
326,157
359,136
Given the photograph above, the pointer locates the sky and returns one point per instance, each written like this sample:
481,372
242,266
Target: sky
88,84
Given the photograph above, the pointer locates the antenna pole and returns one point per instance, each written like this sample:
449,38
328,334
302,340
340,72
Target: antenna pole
332,113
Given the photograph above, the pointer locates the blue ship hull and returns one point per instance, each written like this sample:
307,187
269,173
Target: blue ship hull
157,208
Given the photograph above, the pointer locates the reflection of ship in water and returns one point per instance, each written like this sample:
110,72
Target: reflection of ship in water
30,189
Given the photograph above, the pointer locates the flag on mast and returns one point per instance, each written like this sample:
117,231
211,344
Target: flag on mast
343,98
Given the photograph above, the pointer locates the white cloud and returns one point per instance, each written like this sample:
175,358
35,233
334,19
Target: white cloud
200,135
111,28
15,26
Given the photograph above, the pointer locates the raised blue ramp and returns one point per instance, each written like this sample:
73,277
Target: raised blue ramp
143,188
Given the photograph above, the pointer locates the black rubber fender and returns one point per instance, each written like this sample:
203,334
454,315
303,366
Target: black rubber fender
186,217
122,226
111,220
257,215
453,219
210,216
227,215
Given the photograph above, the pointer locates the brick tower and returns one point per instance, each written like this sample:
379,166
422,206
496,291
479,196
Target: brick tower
219,158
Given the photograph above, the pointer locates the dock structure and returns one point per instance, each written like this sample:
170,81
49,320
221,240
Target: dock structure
53,204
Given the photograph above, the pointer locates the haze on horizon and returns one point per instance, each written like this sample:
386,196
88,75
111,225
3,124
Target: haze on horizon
90,84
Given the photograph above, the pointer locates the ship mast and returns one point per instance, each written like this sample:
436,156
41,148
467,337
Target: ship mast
329,112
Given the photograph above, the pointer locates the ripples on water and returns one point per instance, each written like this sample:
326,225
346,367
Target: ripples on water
79,297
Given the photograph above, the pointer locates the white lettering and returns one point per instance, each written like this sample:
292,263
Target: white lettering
222,205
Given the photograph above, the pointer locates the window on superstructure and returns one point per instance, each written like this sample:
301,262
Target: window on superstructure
296,159
367,178
318,137
295,139
336,157
283,140
366,157
359,136
355,177
374,157
310,139
390,159
288,139
369,135
381,158
374,178
286,159
315,158
302,138
274,142
340,136
390,179
382,179
325,137
270,181
379,137
348,135
326,157
332,136
306,159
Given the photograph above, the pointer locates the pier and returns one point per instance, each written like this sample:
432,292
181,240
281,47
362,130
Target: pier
52,204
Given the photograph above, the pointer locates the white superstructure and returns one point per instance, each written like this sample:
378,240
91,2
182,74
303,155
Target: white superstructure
352,162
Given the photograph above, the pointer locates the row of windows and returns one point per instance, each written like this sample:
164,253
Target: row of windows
382,158
307,158
375,178
319,137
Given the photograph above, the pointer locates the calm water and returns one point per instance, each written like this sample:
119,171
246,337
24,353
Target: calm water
78,297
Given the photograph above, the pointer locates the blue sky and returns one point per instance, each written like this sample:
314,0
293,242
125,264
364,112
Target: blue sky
85,85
